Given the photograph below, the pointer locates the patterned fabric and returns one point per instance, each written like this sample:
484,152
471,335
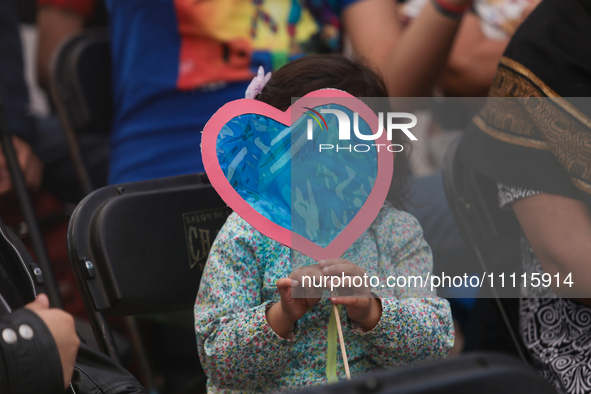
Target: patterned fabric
556,331
508,194
240,351
223,40
529,261
534,130
531,124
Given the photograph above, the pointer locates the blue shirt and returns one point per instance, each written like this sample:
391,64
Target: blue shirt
175,62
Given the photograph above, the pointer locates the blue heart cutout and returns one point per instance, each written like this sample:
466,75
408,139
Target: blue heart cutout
287,179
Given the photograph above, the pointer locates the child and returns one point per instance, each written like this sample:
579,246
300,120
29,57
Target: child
253,337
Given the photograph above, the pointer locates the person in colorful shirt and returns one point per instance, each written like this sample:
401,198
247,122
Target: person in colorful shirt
176,62
253,336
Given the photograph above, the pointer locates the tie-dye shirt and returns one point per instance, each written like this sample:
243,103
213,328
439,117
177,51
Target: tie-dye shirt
176,62
240,351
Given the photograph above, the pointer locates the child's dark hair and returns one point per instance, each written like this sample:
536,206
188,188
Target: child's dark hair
315,72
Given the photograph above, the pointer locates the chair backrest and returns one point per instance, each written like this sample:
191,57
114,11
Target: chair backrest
81,81
140,247
483,373
473,200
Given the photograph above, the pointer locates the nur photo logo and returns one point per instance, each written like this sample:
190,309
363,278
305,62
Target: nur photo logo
345,126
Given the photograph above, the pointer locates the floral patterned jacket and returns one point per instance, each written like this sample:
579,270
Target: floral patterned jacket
240,351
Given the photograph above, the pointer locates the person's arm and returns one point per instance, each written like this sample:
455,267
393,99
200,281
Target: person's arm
237,346
559,231
283,315
416,63
414,324
472,63
54,24
373,28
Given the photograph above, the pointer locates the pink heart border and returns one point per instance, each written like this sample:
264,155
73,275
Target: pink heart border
358,224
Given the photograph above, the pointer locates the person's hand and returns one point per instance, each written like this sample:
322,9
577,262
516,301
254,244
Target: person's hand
61,326
30,165
308,286
283,315
353,291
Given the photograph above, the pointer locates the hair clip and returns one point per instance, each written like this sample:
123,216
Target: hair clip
257,84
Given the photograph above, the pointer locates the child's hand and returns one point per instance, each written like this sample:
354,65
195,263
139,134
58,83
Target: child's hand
282,315
305,288
362,307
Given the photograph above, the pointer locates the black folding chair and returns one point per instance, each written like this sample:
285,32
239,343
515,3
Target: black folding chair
482,373
80,83
473,200
139,248
28,211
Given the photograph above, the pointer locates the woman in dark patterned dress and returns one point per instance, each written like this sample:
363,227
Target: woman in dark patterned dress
539,152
